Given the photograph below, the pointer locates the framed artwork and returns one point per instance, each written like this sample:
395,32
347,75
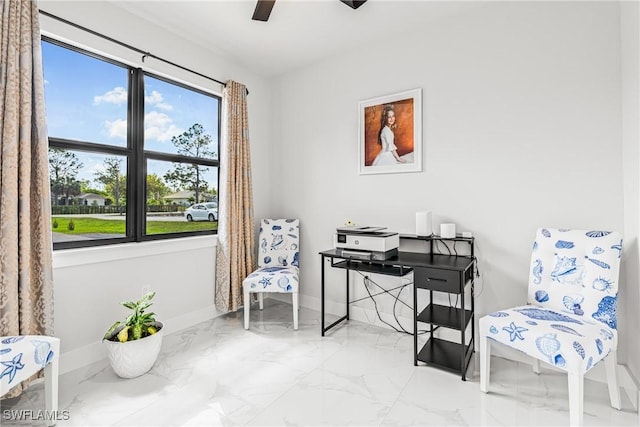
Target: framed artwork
390,133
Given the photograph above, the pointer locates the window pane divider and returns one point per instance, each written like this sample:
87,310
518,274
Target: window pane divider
155,155
88,146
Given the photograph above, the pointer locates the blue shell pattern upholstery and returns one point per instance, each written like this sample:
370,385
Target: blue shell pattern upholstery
570,321
23,356
278,254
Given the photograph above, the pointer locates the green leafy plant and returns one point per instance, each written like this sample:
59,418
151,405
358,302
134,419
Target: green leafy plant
55,223
72,225
137,325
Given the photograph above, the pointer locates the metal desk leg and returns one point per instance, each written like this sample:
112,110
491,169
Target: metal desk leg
323,325
348,293
322,260
462,328
415,326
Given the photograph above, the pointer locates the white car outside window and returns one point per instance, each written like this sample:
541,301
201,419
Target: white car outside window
202,212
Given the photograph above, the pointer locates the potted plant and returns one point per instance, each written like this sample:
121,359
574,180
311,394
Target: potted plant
133,344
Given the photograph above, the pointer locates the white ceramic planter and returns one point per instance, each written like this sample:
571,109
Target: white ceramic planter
134,358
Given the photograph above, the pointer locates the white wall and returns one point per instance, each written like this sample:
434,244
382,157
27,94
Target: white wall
521,129
90,283
630,38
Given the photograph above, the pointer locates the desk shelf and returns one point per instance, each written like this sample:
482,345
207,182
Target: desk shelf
433,237
448,317
452,274
446,355
389,270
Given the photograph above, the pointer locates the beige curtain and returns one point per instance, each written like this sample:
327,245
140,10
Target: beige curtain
235,253
26,289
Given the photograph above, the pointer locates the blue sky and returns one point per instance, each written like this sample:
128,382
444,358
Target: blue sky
86,100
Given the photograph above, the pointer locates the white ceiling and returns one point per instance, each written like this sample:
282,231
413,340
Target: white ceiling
298,33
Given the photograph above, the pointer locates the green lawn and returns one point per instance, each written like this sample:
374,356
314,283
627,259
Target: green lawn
116,226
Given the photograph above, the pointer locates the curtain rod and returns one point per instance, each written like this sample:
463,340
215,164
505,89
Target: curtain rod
128,46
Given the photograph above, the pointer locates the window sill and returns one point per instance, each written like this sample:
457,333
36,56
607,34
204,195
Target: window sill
99,254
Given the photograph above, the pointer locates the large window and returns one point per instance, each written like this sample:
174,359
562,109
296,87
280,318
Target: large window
132,156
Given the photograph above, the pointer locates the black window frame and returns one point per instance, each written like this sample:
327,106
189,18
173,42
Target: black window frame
136,156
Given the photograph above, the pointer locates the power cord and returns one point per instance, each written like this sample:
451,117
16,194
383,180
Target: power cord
454,250
478,274
440,242
456,303
399,328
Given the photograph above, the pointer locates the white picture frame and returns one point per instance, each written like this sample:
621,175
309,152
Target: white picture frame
375,152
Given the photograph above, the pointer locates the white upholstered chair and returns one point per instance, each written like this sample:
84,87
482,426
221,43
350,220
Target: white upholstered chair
25,355
570,321
278,252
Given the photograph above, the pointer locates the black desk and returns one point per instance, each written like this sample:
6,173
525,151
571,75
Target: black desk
432,272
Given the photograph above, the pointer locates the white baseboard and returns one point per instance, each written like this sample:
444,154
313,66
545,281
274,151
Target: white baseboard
630,386
95,352
189,319
370,317
360,314
81,357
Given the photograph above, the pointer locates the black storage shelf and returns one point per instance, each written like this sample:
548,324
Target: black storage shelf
389,270
445,354
442,315
452,274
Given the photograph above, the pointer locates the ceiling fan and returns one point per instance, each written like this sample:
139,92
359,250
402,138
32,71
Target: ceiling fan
263,8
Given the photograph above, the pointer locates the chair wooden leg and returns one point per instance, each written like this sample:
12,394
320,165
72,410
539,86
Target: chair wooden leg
51,391
261,300
485,363
576,399
294,297
610,364
246,302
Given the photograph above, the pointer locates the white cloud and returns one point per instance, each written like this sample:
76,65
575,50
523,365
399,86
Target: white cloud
156,119
157,100
164,106
116,96
154,98
117,128
159,126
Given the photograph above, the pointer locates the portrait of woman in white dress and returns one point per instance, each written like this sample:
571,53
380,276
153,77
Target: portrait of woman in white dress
389,152
390,133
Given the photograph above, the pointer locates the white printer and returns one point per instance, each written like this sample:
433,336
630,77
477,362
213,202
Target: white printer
366,242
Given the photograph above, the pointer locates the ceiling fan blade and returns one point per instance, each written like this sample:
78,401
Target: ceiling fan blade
353,4
263,10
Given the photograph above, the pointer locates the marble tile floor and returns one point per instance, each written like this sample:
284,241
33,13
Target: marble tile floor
216,373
